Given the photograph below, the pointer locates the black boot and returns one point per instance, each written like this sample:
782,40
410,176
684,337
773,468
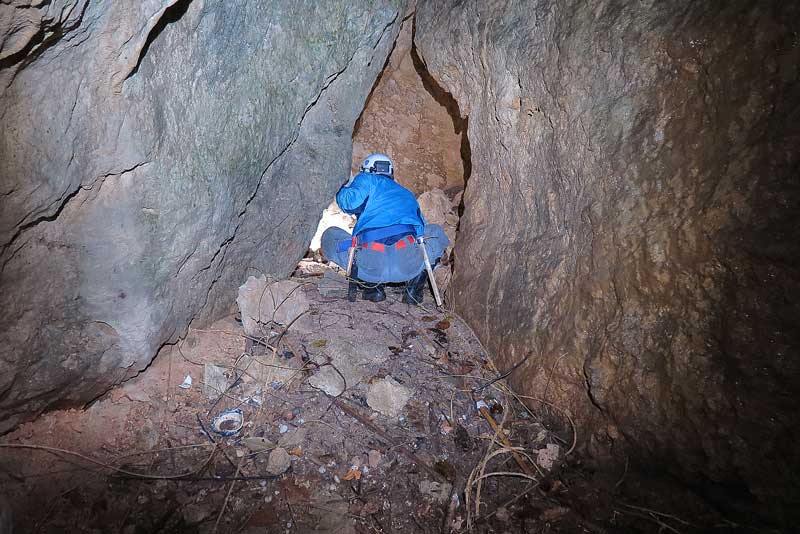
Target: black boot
375,293
412,292
352,286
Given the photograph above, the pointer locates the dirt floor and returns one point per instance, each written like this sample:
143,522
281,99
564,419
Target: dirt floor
357,417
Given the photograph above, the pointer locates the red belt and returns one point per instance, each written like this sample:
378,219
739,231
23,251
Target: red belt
380,247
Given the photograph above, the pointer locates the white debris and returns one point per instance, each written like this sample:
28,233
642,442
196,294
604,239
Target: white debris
548,456
331,216
187,382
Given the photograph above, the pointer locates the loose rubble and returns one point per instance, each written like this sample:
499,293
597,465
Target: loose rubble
359,418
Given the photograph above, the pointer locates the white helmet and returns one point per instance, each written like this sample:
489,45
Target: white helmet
378,164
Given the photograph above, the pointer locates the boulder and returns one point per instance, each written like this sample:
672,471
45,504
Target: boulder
186,143
631,218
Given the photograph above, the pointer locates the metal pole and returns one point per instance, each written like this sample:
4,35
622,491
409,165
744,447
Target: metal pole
430,272
351,256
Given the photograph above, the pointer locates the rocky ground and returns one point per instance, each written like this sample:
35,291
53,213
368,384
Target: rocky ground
357,417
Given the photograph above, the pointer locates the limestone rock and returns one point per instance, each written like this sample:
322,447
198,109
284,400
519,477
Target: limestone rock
548,456
350,352
215,383
631,218
388,397
278,461
137,194
283,302
408,120
438,209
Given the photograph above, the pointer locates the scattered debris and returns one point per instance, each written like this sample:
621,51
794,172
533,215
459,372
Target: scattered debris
388,397
228,423
302,428
187,382
194,513
293,439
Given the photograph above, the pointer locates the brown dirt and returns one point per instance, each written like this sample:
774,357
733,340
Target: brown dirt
149,466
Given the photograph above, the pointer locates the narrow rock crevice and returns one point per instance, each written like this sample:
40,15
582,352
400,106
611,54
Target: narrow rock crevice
170,14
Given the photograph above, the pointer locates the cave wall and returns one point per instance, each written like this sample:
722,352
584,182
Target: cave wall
632,221
404,119
151,153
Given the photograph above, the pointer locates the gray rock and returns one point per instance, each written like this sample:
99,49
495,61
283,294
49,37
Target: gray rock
215,383
278,461
439,491
282,303
257,444
194,513
332,285
438,209
348,354
293,439
388,397
152,152
631,219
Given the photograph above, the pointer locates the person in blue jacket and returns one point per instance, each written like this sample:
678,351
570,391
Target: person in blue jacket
386,236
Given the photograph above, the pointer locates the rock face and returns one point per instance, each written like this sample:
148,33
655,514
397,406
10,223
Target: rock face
152,151
632,220
404,119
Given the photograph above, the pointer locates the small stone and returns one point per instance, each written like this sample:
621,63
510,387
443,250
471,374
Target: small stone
136,394
283,429
374,458
388,397
279,461
439,491
502,514
214,381
552,514
257,444
195,513
548,456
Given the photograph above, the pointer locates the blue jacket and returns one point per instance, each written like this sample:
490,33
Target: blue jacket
379,201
